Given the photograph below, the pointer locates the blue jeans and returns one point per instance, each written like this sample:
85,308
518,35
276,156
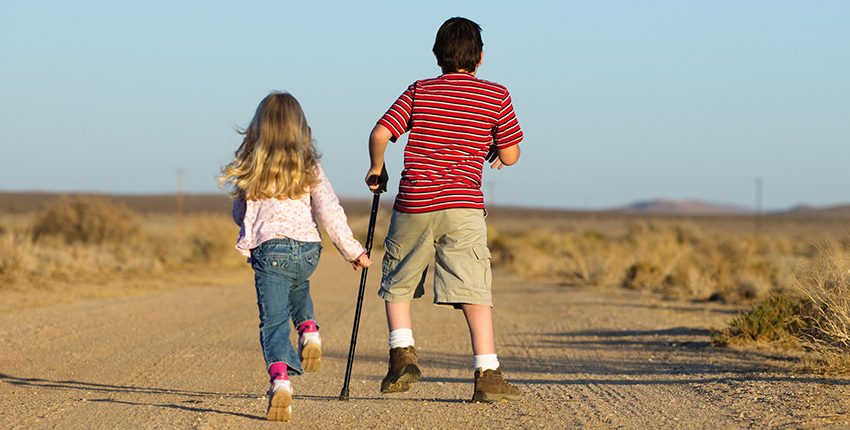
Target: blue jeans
281,269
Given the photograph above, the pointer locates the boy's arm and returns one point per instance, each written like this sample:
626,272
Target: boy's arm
377,177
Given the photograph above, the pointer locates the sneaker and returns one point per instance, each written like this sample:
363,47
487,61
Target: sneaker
280,401
490,387
310,351
403,370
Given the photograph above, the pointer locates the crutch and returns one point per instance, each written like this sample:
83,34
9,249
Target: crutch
344,394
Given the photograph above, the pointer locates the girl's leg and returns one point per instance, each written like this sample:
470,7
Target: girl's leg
301,309
300,301
301,304
273,303
276,271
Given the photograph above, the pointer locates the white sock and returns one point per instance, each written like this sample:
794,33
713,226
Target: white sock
486,361
401,338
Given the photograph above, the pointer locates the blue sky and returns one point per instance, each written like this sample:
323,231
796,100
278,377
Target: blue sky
619,101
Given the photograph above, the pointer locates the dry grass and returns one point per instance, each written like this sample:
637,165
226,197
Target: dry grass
826,283
84,242
670,259
815,317
85,219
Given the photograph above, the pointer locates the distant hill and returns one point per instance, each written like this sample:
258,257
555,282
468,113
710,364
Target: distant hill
808,211
27,202
682,207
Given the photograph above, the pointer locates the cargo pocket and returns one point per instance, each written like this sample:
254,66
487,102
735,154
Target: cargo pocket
481,252
482,275
391,257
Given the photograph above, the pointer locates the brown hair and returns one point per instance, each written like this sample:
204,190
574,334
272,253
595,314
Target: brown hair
458,45
277,158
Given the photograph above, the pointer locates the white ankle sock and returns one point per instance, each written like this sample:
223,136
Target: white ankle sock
486,361
401,338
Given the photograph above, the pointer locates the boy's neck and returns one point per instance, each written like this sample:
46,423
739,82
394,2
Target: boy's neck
463,71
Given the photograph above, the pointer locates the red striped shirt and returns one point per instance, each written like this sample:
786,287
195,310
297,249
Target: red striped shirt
452,120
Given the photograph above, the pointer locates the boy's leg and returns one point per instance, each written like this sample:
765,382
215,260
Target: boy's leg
479,318
408,249
489,384
403,369
398,316
462,278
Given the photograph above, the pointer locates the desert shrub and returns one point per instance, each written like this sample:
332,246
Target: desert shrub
86,220
827,284
211,238
776,317
200,239
16,254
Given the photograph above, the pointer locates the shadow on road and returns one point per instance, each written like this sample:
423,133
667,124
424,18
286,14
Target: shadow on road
90,387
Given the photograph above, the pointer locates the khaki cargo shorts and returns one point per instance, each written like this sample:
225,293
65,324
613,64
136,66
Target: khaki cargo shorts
462,261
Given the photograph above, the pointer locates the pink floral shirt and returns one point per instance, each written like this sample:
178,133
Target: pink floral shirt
261,220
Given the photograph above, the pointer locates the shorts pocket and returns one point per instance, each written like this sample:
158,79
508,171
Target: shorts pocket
391,259
392,249
481,252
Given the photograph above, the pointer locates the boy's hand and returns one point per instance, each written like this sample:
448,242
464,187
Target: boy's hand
377,181
502,157
361,261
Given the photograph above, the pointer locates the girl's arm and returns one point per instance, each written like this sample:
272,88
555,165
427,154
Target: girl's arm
335,222
239,207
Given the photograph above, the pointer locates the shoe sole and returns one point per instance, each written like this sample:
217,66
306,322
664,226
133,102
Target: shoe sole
401,380
311,357
482,397
280,407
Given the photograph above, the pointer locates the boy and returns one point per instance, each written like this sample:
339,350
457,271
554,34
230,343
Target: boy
456,122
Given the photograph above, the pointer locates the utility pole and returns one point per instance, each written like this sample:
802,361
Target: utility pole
758,208
180,207
491,193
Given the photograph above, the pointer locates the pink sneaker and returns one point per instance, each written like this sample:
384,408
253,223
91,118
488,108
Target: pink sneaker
280,401
310,351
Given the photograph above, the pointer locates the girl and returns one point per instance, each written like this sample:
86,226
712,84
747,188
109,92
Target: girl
274,177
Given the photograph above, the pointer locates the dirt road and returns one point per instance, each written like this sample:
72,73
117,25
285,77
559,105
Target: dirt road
190,358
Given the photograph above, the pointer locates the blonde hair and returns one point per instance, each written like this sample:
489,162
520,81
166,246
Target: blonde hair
277,158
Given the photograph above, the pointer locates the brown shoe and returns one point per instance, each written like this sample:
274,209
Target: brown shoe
490,387
403,370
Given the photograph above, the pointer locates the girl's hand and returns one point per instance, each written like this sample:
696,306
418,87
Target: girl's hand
361,261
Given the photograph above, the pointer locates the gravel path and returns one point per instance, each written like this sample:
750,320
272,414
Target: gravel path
190,358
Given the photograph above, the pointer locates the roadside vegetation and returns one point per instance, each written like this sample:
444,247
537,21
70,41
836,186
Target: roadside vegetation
86,239
791,281
793,287
664,259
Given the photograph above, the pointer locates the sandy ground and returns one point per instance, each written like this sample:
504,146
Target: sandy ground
189,357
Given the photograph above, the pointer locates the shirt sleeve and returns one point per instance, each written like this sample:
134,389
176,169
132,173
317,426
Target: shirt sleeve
333,218
507,132
239,211
397,118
